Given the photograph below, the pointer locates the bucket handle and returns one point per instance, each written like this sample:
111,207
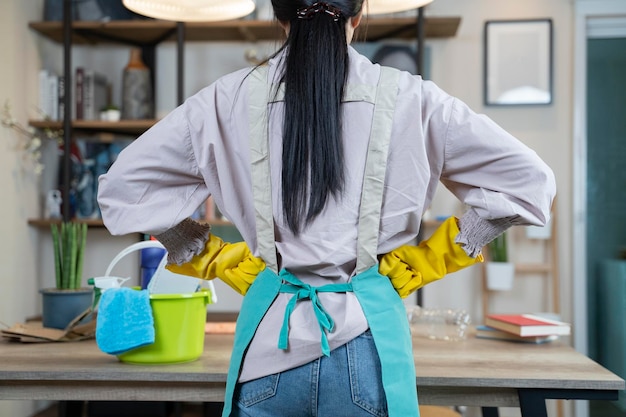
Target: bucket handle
132,248
151,244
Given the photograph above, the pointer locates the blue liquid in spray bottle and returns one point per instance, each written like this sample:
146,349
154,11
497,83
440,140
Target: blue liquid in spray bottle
150,259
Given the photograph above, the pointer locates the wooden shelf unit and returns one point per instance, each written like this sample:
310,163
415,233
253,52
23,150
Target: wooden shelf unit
149,33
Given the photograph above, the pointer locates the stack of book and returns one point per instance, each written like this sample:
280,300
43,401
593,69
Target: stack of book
51,95
90,95
527,328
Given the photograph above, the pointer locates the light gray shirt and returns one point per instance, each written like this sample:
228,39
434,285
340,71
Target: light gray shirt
201,149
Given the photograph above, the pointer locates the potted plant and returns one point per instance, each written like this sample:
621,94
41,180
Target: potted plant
68,298
500,272
110,113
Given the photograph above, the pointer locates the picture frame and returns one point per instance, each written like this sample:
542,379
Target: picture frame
518,62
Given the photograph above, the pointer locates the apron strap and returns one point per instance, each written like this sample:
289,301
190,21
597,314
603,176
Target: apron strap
260,166
384,99
375,169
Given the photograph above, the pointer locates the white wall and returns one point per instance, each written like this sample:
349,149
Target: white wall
456,67
18,84
18,246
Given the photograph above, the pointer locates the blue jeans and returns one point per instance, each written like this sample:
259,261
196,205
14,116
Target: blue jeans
346,384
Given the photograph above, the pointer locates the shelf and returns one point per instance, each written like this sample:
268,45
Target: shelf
125,127
533,268
152,32
96,223
45,223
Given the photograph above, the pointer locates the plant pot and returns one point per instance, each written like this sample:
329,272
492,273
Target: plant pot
500,276
60,307
111,115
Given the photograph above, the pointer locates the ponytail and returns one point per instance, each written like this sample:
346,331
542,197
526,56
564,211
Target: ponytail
315,72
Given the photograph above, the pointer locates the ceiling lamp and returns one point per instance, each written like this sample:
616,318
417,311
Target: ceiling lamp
191,10
393,6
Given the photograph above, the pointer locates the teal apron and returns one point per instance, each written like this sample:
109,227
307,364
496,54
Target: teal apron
383,308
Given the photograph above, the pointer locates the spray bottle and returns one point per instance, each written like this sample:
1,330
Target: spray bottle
102,284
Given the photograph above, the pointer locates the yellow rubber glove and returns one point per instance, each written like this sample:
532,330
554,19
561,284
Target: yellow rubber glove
411,267
233,263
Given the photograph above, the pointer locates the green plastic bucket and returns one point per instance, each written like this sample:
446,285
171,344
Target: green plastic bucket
179,321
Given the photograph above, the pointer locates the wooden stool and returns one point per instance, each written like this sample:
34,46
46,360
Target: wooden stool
436,411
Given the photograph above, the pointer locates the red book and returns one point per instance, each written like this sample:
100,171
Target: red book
486,332
80,81
527,325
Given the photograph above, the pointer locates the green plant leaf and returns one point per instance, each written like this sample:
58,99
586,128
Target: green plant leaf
80,253
498,249
69,250
57,254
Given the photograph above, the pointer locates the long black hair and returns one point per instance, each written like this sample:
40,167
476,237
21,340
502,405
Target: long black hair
315,71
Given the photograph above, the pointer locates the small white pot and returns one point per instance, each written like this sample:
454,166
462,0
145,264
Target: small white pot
110,115
500,276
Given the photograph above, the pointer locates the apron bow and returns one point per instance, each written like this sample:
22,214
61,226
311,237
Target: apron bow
303,291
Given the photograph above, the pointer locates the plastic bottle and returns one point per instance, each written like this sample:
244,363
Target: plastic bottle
101,284
150,259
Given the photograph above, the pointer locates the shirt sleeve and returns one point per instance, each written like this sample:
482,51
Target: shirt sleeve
155,182
491,171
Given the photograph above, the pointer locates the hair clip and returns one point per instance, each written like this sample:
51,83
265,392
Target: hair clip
310,11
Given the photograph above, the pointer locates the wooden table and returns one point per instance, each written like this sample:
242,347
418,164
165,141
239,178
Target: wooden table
473,372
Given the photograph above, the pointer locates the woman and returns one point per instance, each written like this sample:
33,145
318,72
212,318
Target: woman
325,163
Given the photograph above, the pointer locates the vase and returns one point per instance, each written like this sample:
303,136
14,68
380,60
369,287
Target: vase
137,100
60,307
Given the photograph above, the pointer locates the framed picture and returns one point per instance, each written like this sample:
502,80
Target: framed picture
518,62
